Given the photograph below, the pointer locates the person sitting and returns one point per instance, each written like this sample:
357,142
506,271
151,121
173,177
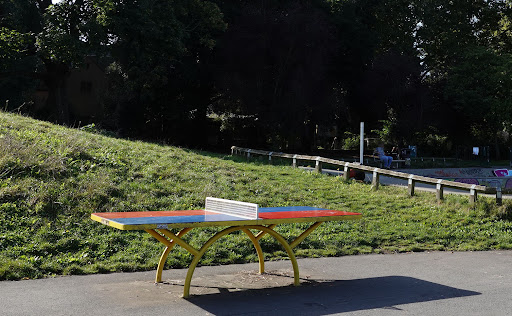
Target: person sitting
386,160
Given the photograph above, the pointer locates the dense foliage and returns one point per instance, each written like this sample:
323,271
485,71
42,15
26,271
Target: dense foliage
272,74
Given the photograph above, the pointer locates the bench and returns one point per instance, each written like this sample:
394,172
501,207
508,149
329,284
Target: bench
398,162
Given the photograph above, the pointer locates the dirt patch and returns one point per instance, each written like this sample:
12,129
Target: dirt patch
147,293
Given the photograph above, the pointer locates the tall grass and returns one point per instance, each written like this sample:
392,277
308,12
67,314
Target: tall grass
52,178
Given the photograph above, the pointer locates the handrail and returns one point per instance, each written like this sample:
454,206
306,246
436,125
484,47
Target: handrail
411,178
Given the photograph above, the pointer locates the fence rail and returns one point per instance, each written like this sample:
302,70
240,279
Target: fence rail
412,179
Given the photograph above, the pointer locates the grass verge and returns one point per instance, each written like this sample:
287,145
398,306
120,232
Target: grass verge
52,178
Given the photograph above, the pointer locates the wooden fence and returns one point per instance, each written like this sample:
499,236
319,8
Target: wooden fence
412,179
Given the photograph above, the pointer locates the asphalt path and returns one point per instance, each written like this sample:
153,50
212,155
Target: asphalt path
436,283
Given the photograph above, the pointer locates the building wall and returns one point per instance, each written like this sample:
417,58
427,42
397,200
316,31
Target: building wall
84,88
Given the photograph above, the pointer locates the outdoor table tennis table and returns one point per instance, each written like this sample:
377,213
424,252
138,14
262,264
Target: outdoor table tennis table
160,223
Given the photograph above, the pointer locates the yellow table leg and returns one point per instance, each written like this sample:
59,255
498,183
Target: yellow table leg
176,239
165,254
305,234
279,238
259,251
262,233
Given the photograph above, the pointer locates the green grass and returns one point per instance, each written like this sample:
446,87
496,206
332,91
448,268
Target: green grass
52,178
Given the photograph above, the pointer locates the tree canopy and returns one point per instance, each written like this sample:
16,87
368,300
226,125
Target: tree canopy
273,74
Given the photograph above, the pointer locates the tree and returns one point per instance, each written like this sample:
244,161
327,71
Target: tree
430,41
156,48
277,69
463,46
446,28
160,50
356,42
273,66
53,38
17,50
479,87
392,91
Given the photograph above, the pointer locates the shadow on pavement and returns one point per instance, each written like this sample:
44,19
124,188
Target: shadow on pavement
327,297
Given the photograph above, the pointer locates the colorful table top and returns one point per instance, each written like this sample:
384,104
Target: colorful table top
202,218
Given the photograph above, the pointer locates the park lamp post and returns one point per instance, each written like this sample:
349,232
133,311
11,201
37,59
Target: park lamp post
361,144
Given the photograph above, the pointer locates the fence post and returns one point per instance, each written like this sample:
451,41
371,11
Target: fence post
440,185
346,173
410,185
318,166
375,179
499,197
439,191
472,194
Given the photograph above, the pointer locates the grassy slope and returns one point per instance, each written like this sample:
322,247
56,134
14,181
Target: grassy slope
52,178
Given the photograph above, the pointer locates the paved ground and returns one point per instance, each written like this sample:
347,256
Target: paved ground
438,283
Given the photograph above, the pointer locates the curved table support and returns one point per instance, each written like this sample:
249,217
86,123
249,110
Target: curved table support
259,251
169,239
279,238
165,254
